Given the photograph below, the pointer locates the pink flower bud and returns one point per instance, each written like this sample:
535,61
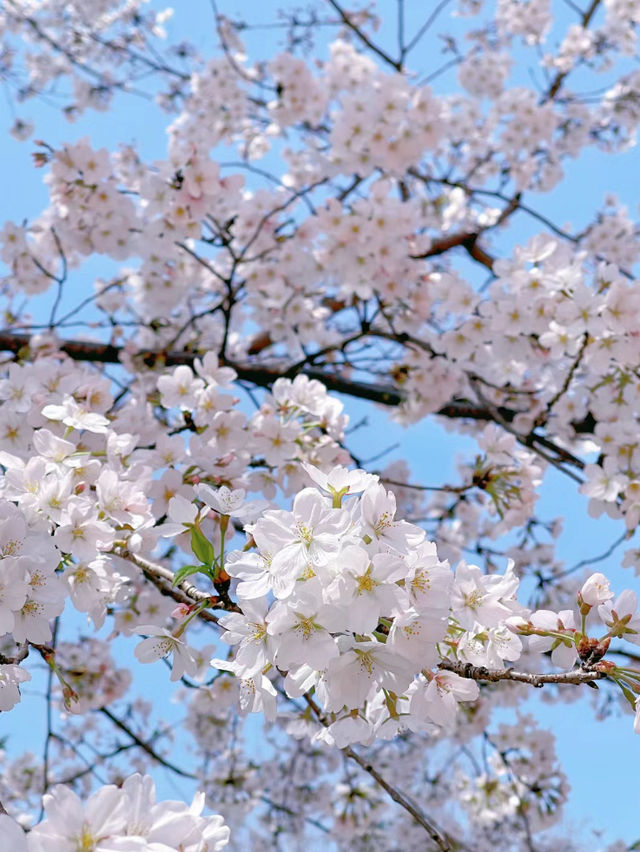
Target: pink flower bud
596,590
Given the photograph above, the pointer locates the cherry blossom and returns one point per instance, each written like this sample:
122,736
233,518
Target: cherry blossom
204,336
159,643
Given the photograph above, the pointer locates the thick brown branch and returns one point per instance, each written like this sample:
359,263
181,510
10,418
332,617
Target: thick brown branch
466,239
263,376
577,676
106,353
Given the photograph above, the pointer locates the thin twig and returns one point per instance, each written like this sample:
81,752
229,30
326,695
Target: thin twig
364,38
49,717
144,745
423,29
590,561
561,76
397,796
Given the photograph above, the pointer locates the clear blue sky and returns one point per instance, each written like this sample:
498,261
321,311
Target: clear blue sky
600,757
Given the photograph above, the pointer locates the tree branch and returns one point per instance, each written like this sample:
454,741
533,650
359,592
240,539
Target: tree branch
397,796
162,578
561,76
466,239
438,838
106,353
265,376
577,676
364,38
144,745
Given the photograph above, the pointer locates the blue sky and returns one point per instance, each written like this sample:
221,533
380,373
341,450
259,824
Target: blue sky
599,757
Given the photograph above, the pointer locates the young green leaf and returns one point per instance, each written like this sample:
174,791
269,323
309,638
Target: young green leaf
628,694
202,547
186,571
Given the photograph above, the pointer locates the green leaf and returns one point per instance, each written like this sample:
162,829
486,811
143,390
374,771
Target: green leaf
186,571
202,547
628,694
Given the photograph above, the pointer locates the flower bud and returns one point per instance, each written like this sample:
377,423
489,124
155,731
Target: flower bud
596,590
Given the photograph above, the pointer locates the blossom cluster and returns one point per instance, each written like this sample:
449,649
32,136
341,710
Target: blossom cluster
125,818
332,213
352,604
78,483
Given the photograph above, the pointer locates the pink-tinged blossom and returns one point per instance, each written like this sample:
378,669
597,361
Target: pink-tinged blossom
70,825
162,490
603,483
125,819
81,532
228,502
621,616
256,694
51,446
182,515
300,680
474,599
310,534
489,647
366,588
299,628
507,585
563,651
13,529
91,585
53,494
347,731
340,481
249,632
223,427
215,834
352,676
12,836
414,635
121,500
18,388
253,571
168,825
428,581
32,621
274,440
180,389
285,275
210,370
13,591
437,700
11,677
378,509
160,643
46,595
75,416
